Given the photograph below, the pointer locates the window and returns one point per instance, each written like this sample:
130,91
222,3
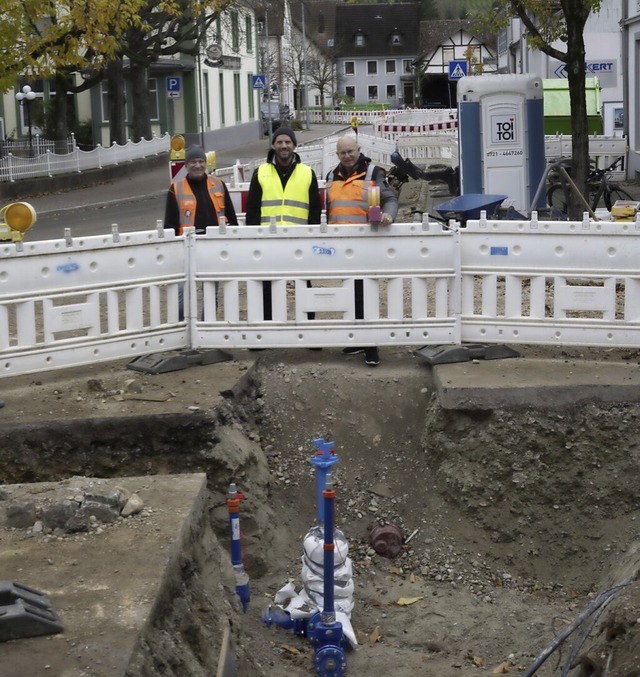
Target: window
237,97
218,31
373,92
152,85
349,67
260,26
320,22
391,66
360,41
207,100
372,67
406,65
251,95
350,92
448,54
248,29
235,32
396,38
391,91
221,96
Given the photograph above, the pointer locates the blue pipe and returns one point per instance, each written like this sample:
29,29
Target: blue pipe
242,578
323,459
328,611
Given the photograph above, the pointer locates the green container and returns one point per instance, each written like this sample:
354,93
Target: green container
557,107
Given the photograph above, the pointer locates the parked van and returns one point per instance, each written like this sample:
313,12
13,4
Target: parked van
279,115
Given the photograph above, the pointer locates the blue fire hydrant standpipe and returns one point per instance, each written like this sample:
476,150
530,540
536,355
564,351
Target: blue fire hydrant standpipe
242,578
323,459
324,631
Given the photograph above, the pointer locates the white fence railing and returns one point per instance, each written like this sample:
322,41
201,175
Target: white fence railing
35,146
13,167
76,301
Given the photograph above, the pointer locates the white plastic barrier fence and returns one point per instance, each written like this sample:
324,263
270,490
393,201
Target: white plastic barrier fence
429,150
552,283
603,151
88,299
77,301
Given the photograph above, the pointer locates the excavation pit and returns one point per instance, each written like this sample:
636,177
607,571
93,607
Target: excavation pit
519,509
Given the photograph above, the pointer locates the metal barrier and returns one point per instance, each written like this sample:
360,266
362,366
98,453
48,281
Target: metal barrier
83,300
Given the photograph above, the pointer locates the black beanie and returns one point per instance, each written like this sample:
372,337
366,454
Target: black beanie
194,153
284,131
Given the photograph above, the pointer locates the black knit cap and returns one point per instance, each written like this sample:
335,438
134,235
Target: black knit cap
285,131
194,153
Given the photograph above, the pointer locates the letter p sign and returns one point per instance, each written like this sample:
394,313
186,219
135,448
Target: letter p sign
174,86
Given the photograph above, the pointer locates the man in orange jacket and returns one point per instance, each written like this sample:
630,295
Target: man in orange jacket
197,201
347,194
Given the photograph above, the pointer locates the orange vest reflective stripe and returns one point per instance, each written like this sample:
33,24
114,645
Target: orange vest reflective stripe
348,200
187,200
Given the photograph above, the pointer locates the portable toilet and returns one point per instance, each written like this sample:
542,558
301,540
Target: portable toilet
501,137
557,106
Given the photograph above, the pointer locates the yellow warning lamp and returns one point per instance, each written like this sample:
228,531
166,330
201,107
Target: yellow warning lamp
177,147
15,220
211,161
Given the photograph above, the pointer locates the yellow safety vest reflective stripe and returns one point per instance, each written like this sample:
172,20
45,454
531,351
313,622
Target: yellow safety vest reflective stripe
290,205
348,200
187,200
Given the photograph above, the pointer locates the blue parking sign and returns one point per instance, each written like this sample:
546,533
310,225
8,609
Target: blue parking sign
458,69
174,86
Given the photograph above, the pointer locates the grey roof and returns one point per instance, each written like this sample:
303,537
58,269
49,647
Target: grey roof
433,34
377,23
319,21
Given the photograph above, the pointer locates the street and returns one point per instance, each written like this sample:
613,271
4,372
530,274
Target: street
131,214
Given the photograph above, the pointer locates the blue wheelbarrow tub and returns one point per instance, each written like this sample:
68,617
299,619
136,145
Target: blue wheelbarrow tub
469,206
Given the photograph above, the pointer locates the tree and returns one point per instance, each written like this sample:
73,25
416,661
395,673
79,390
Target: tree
293,69
56,38
50,39
322,75
549,22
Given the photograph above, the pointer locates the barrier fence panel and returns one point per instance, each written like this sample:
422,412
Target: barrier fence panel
407,273
552,283
77,301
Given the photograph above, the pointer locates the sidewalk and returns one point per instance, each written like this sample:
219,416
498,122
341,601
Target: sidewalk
155,181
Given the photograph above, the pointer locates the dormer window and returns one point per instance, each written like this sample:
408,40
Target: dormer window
396,38
360,39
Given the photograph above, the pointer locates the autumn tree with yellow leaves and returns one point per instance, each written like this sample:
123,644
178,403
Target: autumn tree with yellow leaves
52,39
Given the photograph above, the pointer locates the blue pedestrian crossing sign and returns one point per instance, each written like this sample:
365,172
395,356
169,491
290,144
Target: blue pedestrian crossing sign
258,81
458,69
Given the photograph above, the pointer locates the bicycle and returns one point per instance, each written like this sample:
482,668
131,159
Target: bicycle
602,189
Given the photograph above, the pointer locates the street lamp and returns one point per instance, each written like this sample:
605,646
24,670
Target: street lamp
25,97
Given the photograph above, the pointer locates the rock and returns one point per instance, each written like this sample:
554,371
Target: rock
134,505
78,522
55,516
21,515
103,513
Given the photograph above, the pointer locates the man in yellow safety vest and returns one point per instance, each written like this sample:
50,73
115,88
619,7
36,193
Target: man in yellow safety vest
285,189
